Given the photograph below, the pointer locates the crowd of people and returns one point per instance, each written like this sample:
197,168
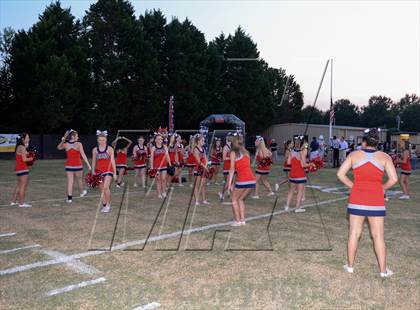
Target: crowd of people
165,157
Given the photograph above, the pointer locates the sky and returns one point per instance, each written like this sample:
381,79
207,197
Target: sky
375,45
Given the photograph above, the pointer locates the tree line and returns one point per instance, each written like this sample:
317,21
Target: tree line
112,69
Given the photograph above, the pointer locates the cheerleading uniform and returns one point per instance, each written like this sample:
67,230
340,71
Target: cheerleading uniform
226,163
406,166
261,169
159,160
197,166
190,159
73,162
21,168
172,152
121,160
103,162
367,194
140,157
180,151
297,173
245,178
216,156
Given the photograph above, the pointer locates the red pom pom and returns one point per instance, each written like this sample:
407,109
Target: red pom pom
318,162
394,158
152,172
93,180
266,162
209,173
32,156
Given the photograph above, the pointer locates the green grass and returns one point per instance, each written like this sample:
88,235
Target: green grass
281,278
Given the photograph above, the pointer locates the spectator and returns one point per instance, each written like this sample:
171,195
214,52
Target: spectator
343,149
273,149
413,157
314,146
321,143
335,144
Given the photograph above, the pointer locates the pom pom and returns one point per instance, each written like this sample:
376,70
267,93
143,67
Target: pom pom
93,180
318,162
209,173
32,155
152,172
266,162
171,170
219,156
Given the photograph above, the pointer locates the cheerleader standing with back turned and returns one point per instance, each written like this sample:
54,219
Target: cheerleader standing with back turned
367,197
173,157
74,166
190,159
121,145
103,163
263,170
22,171
140,154
245,179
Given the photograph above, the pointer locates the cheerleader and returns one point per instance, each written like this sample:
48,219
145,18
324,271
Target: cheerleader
103,163
121,145
405,170
180,163
173,157
190,159
139,156
262,171
200,169
74,167
159,160
22,171
216,156
367,197
297,175
226,164
245,179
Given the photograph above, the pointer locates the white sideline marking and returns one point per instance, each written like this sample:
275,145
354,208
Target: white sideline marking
74,286
73,264
152,305
7,234
18,249
151,239
36,180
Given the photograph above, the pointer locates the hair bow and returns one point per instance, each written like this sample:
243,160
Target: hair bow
259,138
105,132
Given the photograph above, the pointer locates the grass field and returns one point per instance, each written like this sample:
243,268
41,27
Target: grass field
47,259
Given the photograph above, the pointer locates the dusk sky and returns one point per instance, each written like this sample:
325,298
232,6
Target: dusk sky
375,44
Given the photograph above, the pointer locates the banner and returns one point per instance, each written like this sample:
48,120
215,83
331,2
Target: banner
7,142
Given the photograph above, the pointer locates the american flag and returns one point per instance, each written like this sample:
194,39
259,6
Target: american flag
332,113
171,114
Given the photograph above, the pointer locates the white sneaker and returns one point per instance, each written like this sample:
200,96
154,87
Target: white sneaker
118,186
106,209
135,185
243,223
220,195
216,183
69,200
405,197
191,185
208,183
14,204
255,197
160,196
286,208
83,194
164,195
271,194
181,185
236,224
25,205
197,203
276,187
205,202
348,269
300,210
386,274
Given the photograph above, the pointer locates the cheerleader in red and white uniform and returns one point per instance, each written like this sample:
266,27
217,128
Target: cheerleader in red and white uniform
216,157
226,164
245,179
190,159
200,169
367,197
74,167
103,163
173,157
121,145
159,160
22,171
140,155
405,163
297,174
262,171
180,164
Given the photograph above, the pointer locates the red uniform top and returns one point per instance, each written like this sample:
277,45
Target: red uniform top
216,155
159,160
367,192
297,173
191,158
226,163
260,168
103,161
180,151
21,166
73,156
243,169
172,150
121,159
406,166
202,156
141,154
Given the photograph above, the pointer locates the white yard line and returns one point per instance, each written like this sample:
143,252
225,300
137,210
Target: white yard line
7,234
73,264
152,305
74,286
125,245
18,249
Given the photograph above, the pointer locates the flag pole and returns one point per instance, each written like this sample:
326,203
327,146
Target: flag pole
331,100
